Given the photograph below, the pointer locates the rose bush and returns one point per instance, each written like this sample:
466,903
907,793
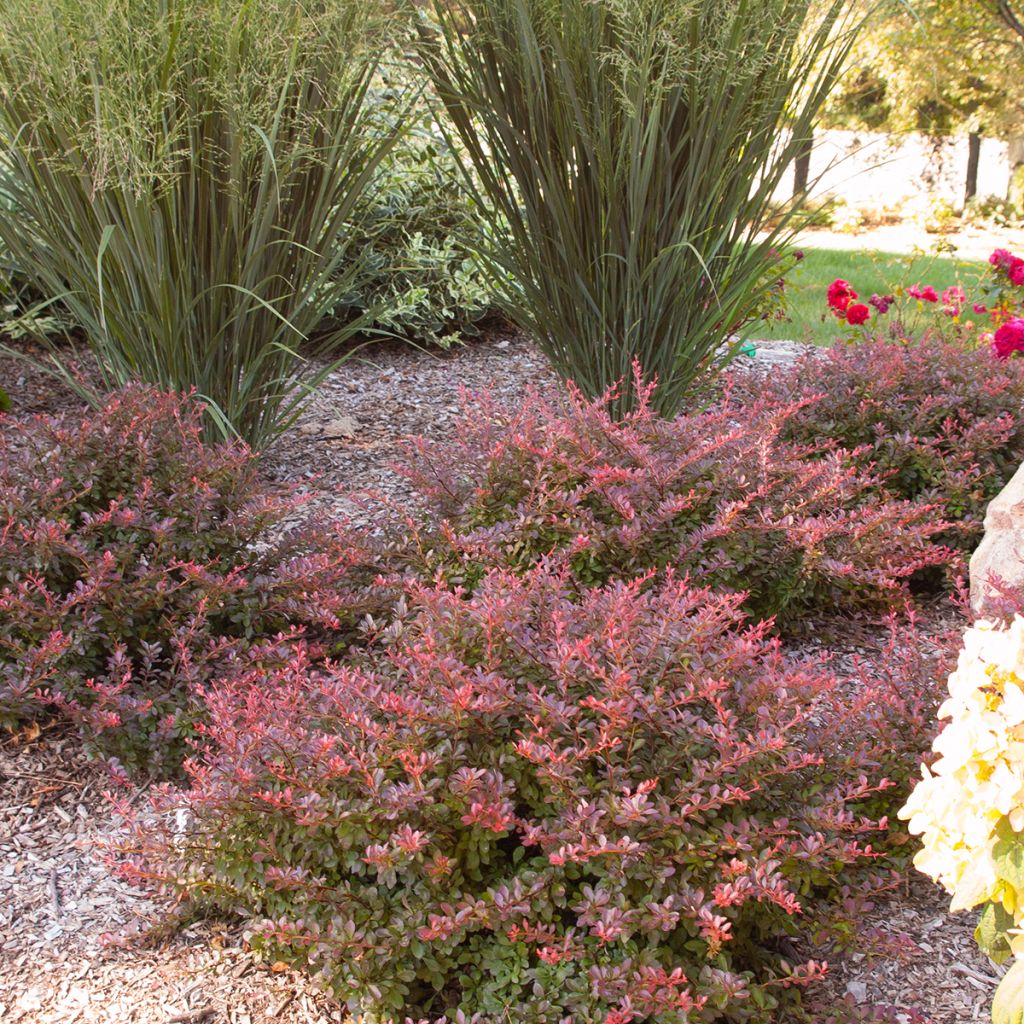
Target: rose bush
919,309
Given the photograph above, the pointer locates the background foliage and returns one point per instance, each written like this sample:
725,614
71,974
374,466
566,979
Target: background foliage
419,276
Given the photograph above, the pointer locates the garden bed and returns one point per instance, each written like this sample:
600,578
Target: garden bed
69,929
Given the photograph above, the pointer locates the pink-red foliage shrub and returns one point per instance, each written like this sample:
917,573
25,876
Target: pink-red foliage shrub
801,528
883,710
941,421
537,803
136,561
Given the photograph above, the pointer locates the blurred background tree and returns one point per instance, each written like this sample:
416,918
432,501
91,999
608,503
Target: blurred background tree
940,67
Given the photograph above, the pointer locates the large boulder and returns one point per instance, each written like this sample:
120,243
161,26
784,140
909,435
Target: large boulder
1001,552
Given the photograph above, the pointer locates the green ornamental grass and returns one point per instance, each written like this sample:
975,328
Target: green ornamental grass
184,175
626,153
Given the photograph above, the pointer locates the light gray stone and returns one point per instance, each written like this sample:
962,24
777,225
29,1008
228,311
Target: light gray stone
1001,552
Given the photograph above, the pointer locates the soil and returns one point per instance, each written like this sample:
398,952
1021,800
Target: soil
70,947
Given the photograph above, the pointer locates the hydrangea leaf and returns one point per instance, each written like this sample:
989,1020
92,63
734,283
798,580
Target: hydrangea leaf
1008,1002
1008,857
991,933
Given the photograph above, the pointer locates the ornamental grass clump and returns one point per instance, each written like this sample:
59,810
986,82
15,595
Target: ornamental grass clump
183,176
799,528
138,562
626,153
531,803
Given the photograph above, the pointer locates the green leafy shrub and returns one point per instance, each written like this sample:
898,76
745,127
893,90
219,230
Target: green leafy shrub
184,178
419,279
627,153
939,421
531,803
137,562
799,528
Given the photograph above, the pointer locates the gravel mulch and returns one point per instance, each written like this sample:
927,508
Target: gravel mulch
66,920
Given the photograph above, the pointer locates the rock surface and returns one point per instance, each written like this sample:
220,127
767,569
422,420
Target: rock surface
1001,552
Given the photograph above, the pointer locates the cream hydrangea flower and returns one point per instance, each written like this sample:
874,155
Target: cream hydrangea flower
978,780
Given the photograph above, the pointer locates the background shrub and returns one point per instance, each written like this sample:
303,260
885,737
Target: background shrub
185,177
535,801
627,153
798,527
419,277
137,561
940,421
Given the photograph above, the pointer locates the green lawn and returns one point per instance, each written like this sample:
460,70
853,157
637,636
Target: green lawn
868,272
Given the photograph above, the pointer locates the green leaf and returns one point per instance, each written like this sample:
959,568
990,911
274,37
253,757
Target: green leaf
1008,1002
991,932
1008,856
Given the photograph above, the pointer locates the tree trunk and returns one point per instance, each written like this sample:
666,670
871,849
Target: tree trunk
1010,17
1015,192
802,168
973,159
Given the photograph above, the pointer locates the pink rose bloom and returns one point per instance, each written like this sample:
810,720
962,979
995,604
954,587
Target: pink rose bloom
928,293
980,308
953,300
1001,258
1009,339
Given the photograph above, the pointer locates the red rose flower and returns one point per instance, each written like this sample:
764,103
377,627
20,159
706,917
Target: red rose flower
928,293
858,314
1009,339
840,295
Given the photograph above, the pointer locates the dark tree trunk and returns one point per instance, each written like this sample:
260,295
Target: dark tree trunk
1010,17
973,159
802,168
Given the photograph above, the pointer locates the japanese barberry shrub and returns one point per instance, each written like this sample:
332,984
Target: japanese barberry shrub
136,561
800,528
884,710
534,802
940,421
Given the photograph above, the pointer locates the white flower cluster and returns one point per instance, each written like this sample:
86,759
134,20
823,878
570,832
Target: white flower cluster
977,784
